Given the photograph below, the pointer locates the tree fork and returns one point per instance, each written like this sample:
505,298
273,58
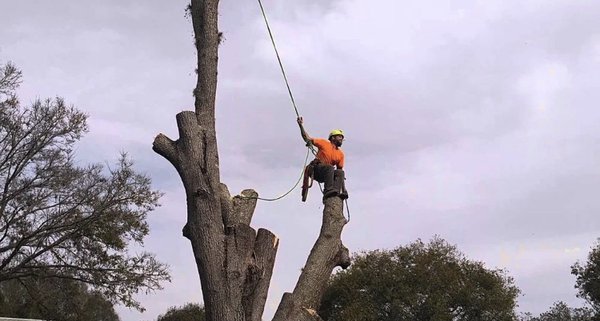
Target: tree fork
234,262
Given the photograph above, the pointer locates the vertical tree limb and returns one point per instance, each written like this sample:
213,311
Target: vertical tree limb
327,253
259,274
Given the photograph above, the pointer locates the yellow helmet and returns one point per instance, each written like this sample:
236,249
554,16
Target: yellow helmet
336,132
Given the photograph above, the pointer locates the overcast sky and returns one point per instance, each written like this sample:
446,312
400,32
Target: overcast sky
473,120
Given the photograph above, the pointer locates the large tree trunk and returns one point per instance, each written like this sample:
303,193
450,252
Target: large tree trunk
235,262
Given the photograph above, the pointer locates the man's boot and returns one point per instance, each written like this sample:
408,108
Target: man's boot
329,191
344,194
339,183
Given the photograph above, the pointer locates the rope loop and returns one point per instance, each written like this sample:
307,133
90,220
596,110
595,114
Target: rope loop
293,187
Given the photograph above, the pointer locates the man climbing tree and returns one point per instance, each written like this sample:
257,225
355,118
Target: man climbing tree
329,162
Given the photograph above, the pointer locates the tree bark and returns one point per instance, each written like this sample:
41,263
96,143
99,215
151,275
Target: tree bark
327,253
234,262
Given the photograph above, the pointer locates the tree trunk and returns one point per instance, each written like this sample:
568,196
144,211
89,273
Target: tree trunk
234,262
327,253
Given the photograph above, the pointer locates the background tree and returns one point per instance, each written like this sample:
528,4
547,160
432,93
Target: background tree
560,311
419,281
53,299
60,220
587,276
188,312
234,261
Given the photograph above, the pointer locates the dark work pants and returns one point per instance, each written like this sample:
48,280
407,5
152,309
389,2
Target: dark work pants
332,178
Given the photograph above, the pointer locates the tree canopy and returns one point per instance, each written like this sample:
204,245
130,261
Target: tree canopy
62,220
560,311
53,299
416,282
587,276
188,312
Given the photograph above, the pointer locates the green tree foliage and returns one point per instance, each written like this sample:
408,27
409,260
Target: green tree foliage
53,299
587,276
188,312
419,282
560,311
62,220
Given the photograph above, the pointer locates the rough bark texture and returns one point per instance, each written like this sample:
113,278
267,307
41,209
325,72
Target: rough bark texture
234,262
327,253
